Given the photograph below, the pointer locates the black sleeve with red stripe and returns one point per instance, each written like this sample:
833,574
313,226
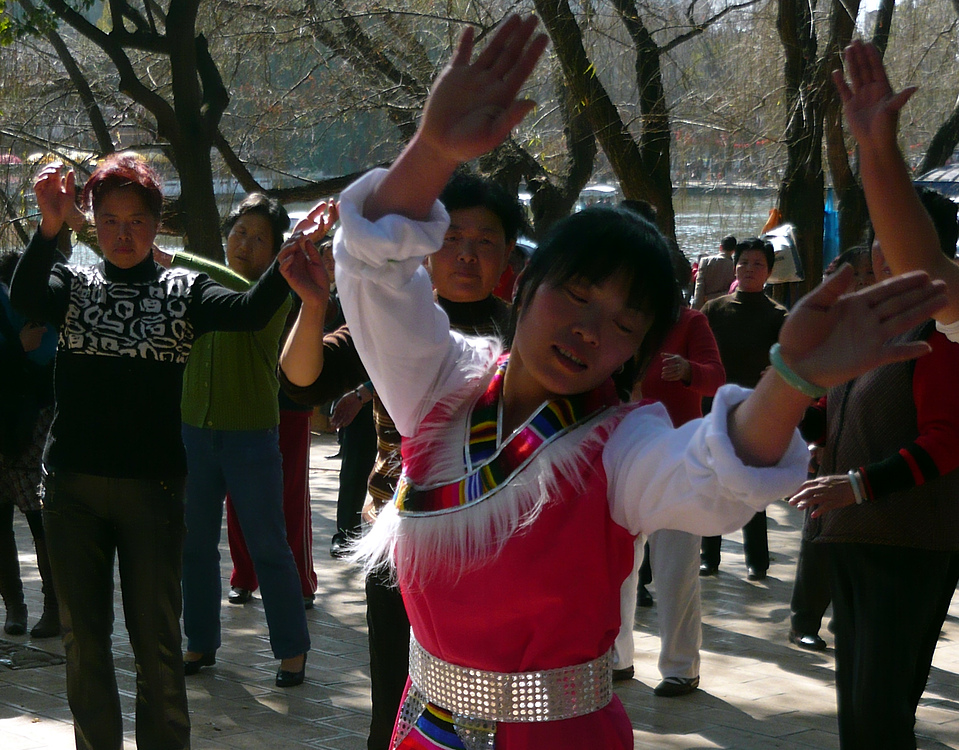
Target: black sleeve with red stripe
936,451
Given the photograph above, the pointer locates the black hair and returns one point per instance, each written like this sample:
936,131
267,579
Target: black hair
853,255
269,208
943,214
596,244
728,244
644,208
755,243
465,190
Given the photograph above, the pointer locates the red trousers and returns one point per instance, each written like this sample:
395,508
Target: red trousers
295,449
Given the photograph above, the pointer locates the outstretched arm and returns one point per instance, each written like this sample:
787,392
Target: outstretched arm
829,338
903,228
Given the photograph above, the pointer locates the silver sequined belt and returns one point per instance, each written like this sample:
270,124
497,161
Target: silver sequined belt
544,695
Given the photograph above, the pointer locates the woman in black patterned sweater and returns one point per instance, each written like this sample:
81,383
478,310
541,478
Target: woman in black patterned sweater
114,462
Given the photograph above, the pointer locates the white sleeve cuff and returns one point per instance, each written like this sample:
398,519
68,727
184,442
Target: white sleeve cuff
949,330
391,248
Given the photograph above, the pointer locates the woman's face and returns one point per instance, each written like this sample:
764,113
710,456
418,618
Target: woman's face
752,271
573,337
125,226
249,246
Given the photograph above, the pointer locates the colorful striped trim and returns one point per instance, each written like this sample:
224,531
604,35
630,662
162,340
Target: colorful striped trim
491,464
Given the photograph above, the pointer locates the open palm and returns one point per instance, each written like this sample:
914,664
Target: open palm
832,336
472,105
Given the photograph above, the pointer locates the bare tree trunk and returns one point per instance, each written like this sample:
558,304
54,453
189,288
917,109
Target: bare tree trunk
801,193
638,179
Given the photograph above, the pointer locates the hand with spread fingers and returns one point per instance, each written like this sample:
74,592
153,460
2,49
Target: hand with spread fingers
832,336
473,105
869,103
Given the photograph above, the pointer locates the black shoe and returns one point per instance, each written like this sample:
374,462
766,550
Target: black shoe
673,687
808,641
239,596
622,675
16,623
48,625
338,454
645,598
190,668
755,574
308,601
339,546
707,569
285,678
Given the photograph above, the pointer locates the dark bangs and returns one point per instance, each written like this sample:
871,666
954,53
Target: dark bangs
600,243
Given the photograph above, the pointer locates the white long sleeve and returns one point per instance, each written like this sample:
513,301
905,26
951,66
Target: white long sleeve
402,336
689,478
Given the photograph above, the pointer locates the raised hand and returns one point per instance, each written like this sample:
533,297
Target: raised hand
302,266
471,109
870,105
473,105
56,198
318,222
832,336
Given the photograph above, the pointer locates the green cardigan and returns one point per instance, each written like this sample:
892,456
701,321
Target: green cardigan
230,379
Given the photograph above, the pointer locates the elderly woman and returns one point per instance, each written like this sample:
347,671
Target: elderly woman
115,464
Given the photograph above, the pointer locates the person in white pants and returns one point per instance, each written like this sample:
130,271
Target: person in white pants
685,369
674,557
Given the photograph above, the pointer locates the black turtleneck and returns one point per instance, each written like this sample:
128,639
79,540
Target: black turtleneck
125,335
745,325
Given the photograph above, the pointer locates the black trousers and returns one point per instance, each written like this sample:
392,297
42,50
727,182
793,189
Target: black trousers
358,452
389,629
810,596
755,545
89,521
889,605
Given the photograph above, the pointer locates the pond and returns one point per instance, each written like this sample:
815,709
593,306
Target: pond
703,218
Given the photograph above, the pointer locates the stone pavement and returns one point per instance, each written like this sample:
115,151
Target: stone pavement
757,690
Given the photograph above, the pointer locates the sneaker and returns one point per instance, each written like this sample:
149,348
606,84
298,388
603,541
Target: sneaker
673,687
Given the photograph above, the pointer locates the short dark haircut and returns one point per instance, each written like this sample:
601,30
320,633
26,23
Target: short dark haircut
465,190
122,170
943,213
269,208
755,243
599,243
728,243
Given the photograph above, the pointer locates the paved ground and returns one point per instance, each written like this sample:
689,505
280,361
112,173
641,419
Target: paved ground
757,690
